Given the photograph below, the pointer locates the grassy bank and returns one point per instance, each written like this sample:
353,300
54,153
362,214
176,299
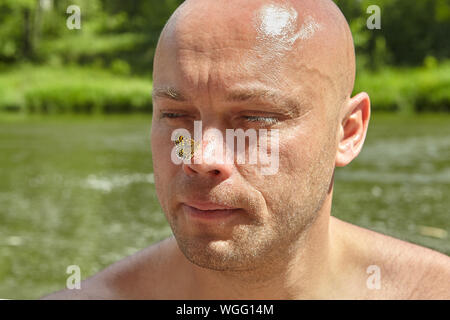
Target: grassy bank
47,89
72,89
407,90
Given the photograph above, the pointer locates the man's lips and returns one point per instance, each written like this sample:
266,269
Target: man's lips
208,210
207,206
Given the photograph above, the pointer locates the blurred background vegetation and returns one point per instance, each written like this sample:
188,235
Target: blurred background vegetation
403,66
76,184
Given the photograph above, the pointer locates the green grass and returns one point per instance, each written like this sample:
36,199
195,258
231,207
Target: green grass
79,190
73,89
46,89
407,90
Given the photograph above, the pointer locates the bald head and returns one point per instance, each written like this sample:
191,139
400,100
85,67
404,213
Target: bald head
291,35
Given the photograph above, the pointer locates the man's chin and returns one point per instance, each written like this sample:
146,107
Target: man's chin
215,254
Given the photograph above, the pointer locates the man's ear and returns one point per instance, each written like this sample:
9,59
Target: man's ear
353,128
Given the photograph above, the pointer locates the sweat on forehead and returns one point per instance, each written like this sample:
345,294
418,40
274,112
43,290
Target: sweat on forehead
292,34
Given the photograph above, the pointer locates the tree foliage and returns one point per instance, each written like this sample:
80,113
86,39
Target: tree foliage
127,31
410,31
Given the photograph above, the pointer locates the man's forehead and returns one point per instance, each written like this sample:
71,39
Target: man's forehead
273,25
200,25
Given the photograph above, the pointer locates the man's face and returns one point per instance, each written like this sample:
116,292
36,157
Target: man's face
231,75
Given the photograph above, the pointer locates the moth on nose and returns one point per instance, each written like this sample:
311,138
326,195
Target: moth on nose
185,148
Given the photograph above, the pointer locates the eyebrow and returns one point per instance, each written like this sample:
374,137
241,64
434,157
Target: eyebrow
273,97
168,93
287,104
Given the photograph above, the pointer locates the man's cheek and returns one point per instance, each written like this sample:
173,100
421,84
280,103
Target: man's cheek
161,148
293,153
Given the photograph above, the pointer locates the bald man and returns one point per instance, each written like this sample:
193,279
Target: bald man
286,67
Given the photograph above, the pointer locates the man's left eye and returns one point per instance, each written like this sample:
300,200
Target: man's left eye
260,119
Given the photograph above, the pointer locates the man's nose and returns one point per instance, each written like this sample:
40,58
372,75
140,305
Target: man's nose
211,160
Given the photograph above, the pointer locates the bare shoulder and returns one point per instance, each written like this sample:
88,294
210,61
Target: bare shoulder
408,271
138,276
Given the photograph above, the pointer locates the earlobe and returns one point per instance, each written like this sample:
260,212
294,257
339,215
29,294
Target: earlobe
353,128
